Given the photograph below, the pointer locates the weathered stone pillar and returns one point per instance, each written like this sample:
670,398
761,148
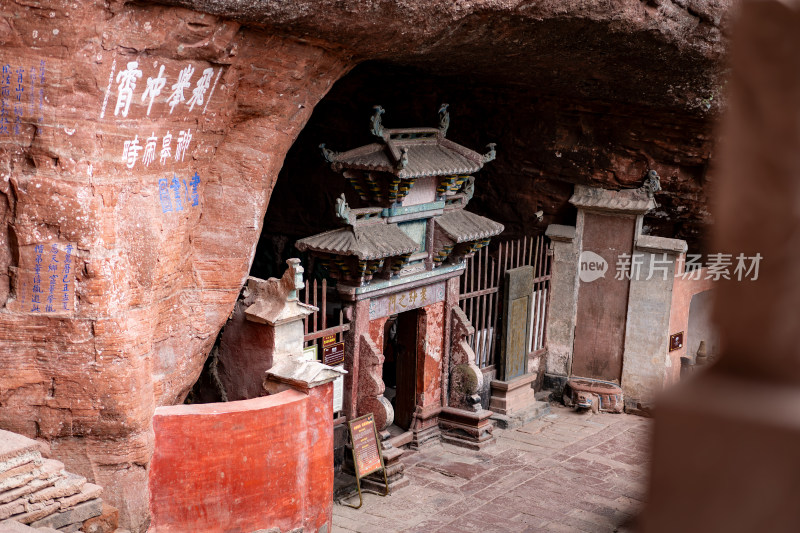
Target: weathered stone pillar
267,324
646,353
358,315
726,442
430,374
565,243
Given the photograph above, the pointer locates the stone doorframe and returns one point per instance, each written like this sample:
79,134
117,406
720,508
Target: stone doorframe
364,388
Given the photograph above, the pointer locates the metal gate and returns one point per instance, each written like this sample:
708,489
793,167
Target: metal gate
481,293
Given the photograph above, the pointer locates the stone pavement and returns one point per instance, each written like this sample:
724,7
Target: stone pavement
567,471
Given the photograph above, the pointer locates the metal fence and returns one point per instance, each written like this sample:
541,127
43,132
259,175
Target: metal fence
315,326
482,293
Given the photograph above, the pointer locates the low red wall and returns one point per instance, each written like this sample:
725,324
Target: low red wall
241,466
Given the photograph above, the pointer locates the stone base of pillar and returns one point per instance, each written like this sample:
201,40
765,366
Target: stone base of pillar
391,461
425,428
514,402
555,383
394,471
467,429
425,437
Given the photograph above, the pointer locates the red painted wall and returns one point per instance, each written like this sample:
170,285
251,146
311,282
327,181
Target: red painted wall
682,292
429,355
241,466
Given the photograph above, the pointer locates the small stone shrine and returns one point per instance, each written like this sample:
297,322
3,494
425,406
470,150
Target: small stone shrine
397,264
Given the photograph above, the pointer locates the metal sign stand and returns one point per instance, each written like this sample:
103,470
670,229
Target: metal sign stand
369,420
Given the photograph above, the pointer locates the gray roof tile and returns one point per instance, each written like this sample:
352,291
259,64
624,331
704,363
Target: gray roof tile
374,241
463,226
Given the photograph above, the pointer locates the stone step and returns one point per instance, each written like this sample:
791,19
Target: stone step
66,486
88,491
18,480
21,469
45,475
12,508
12,526
37,512
74,515
32,486
13,446
534,411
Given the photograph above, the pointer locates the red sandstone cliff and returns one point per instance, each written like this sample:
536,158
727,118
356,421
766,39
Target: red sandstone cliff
155,208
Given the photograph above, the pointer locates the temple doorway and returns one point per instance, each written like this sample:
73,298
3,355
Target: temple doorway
400,365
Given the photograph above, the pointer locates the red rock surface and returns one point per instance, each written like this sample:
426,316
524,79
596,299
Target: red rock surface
151,288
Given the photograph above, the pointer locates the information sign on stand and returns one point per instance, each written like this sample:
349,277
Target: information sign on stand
367,456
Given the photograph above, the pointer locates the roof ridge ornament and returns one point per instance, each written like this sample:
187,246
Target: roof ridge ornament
375,121
342,209
403,161
491,154
444,119
329,155
651,185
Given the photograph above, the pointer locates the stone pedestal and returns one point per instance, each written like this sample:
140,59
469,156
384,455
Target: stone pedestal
425,427
514,402
467,429
394,468
391,461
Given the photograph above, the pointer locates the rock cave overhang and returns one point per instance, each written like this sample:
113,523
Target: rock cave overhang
664,59
617,97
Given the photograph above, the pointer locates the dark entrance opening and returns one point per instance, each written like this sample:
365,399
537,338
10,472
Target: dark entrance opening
400,366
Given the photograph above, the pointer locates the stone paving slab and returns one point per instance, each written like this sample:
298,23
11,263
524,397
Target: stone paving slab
567,471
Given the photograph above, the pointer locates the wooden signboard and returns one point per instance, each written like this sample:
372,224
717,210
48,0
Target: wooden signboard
676,341
367,456
333,354
327,340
